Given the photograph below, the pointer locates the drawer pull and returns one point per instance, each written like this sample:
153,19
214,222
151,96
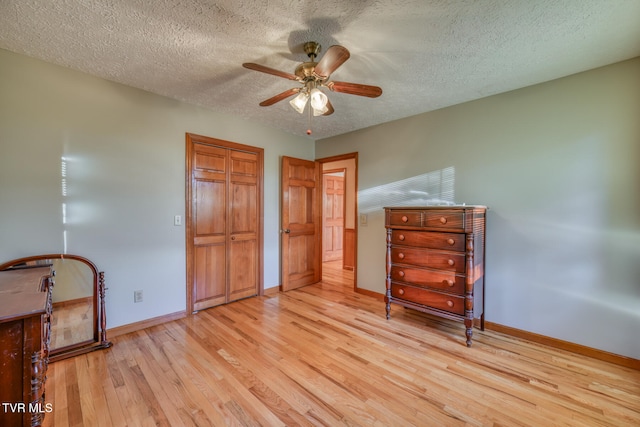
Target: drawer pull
448,282
401,237
443,220
450,303
404,218
401,291
451,262
451,242
401,255
401,273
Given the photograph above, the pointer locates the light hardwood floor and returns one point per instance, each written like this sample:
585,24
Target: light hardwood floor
324,355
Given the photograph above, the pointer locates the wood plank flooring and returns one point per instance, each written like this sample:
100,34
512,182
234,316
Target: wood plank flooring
323,355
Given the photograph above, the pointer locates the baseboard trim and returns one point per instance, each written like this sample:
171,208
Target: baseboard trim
367,292
605,356
67,303
137,326
269,292
617,359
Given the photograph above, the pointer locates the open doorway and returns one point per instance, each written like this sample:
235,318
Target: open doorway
333,212
339,213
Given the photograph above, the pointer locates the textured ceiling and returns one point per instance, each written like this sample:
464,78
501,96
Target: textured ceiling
425,54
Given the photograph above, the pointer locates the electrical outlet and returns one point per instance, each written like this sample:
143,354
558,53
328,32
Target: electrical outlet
137,296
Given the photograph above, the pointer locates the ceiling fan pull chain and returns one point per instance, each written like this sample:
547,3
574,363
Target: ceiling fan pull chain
309,128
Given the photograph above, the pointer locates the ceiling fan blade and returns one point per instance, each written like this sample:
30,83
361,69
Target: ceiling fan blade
329,108
279,97
263,69
334,57
355,89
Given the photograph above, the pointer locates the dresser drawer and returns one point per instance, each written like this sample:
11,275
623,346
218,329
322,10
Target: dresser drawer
442,218
450,303
447,281
446,241
428,258
409,218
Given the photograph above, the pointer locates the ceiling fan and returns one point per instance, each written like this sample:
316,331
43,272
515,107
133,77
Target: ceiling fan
313,76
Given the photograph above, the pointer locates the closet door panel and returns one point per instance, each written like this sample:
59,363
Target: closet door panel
224,199
242,272
243,230
244,206
209,213
210,276
210,208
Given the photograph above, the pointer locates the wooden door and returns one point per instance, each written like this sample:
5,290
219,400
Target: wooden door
301,221
210,167
224,222
243,225
332,216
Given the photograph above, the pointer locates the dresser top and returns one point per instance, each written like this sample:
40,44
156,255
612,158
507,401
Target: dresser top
435,207
20,294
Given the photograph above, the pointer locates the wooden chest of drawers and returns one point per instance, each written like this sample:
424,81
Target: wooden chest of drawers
435,261
25,332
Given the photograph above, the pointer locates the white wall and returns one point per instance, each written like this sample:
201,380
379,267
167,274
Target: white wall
558,164
125,179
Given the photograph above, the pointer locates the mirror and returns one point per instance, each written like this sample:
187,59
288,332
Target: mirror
78,321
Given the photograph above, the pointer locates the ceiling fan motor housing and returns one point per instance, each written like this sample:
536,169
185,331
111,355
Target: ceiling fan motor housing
312,49
305,70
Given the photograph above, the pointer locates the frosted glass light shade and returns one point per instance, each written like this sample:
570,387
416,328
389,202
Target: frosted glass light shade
299,102
319,111
318,99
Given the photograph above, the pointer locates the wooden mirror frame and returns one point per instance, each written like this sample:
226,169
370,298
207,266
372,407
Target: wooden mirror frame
99,320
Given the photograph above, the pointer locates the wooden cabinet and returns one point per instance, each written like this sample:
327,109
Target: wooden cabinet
25,331
225,224
435,261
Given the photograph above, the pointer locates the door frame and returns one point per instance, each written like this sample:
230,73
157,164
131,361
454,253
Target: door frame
348,156
190,140
344,205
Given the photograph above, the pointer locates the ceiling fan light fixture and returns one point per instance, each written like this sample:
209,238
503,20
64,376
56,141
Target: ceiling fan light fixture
313,76
299,102
318,100
319,111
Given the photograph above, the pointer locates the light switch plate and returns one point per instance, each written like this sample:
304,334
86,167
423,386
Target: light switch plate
177,220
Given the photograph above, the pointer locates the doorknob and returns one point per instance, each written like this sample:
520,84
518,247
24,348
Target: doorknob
286,230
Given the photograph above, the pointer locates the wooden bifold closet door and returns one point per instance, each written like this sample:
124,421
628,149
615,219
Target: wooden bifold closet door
224,221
